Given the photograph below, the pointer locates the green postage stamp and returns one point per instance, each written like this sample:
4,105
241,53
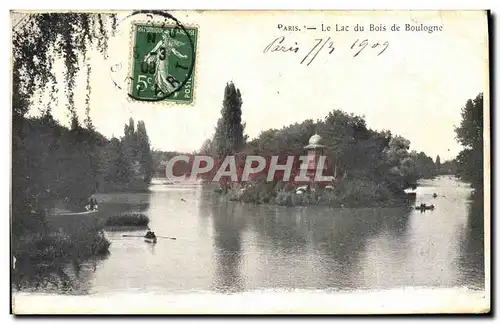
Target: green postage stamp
163,61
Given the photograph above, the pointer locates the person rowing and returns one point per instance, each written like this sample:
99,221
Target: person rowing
150,235
92,204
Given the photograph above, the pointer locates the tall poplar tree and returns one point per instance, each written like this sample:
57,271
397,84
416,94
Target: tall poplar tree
438,164
144,151
228,136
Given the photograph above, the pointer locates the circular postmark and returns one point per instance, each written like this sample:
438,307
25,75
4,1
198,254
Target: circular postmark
163,58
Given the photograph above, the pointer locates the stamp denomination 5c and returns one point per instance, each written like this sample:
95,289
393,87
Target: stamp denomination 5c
162,65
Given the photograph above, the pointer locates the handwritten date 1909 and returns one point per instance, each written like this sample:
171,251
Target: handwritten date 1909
325,45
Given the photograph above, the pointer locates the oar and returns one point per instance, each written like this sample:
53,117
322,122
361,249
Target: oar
171,238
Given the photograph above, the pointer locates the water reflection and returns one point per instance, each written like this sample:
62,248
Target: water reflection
230,247
471,260
283,229
75,276
345,246
330,241
228,223
115,203
69,277
427,252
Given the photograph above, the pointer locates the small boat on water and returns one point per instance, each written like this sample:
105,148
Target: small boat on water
424,207
150,240
150,237
70,213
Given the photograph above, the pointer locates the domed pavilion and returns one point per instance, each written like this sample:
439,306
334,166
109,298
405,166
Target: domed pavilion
314,150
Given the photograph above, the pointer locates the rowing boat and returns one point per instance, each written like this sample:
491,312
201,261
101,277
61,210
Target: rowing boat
424,207
150,240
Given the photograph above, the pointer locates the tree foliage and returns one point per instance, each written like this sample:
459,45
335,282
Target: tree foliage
49,161
53,164
448,167
144,151
160,159
40,39
438,162
368,166
470,135
229,136
470,131
374,164
425,167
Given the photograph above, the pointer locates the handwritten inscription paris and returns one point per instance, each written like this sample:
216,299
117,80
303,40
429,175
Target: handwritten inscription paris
328,45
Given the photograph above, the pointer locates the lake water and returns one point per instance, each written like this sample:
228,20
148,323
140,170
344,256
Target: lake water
238,248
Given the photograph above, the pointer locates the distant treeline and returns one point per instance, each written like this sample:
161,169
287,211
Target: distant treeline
160,159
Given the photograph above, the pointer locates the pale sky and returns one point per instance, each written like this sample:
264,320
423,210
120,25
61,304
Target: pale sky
416,88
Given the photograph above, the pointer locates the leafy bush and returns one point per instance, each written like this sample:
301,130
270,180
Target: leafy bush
49,246
129,219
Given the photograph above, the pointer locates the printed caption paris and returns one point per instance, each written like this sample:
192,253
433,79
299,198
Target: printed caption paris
338,28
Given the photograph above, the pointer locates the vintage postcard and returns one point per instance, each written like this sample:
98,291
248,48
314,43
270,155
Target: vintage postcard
250,162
